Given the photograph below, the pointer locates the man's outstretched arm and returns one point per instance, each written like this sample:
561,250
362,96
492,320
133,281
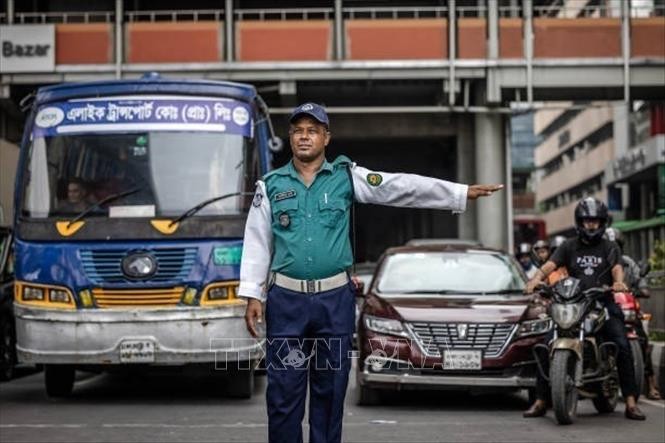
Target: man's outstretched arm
414,191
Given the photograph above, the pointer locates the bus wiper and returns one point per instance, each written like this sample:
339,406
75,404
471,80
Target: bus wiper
188,213
108,199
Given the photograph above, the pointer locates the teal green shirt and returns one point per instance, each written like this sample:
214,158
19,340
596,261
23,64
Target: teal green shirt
310,225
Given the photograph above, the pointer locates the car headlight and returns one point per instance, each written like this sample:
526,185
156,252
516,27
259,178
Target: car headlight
629,315
566,315
535,327
385,325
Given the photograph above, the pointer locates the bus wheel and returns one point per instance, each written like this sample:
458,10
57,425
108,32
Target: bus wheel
59,380
240,383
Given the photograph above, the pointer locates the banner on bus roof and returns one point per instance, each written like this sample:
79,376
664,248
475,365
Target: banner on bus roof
144,114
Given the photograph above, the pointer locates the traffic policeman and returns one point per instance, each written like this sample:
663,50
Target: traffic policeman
296,258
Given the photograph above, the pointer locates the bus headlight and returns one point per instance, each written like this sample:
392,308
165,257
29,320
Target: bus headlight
44,296
220,293
31,293
58,296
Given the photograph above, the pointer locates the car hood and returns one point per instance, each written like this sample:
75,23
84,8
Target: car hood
463,309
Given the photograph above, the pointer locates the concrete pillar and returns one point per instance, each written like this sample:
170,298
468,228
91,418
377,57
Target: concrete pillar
490,152
339,31
10,12
466,224
621,128
228,28
119,41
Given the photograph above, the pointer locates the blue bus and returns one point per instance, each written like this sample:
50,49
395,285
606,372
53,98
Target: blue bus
131,199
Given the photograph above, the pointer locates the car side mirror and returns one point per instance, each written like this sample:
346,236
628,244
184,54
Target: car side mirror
645,268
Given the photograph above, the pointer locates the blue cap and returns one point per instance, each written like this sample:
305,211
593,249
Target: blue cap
313,110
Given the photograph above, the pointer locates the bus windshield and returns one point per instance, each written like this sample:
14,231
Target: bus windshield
173,170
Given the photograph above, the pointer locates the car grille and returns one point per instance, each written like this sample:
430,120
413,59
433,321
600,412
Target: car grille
104,266
491,338
137,298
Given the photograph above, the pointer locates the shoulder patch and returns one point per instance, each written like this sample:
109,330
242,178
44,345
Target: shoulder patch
374,179
258,199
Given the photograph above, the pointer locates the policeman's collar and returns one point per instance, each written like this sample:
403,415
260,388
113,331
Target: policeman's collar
325,166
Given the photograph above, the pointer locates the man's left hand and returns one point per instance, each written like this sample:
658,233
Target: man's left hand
618,286
476,191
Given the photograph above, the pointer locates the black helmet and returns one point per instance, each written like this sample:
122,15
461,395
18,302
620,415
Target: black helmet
613,234
556,242
586,209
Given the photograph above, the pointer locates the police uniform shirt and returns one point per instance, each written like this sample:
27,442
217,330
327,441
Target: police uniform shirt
303,232
591,264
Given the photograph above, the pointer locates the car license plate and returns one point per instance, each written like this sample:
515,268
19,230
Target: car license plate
137,351
462,360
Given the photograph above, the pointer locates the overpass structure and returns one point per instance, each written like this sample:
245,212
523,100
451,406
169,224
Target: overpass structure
407,72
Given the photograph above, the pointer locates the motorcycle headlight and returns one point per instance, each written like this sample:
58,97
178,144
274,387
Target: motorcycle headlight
385,325
534,327
566,315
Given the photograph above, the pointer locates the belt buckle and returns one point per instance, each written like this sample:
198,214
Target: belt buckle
311,286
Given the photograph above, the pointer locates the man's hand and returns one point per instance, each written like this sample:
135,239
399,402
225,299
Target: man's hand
253,315
476,191
531,285
618,286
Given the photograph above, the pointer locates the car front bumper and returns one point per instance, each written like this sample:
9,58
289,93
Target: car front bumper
410,378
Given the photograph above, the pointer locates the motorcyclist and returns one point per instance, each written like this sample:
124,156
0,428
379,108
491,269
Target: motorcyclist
523,255
638,285
541,252
596,262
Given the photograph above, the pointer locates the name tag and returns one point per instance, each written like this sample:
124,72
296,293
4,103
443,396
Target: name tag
284,195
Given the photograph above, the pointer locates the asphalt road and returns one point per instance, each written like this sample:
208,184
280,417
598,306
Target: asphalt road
183,406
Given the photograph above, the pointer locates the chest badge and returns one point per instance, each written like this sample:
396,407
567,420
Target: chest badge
286,194
284,219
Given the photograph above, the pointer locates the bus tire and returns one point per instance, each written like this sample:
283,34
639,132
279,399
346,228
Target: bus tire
59,380
240,383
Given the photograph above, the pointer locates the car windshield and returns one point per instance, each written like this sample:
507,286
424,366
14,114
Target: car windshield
449,273
84,152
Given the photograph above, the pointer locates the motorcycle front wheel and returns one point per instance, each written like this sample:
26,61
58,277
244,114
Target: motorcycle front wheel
564,392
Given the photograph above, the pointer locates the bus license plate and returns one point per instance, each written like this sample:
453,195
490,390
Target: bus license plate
462,360
137,351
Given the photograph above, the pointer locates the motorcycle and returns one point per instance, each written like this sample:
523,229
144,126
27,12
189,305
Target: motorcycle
579,365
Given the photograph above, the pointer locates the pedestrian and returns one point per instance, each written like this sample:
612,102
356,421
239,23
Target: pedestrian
296,258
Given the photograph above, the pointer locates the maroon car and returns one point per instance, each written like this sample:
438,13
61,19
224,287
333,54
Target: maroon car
447,315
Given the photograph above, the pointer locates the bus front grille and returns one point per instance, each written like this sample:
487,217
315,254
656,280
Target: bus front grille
104,266
137,298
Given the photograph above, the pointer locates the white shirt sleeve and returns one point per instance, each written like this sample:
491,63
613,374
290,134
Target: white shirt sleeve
408,190
257,248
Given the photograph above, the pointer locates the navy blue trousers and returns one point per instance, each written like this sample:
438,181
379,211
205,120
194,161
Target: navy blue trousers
308,339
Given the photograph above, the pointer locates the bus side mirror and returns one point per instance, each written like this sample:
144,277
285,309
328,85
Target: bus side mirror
275,144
